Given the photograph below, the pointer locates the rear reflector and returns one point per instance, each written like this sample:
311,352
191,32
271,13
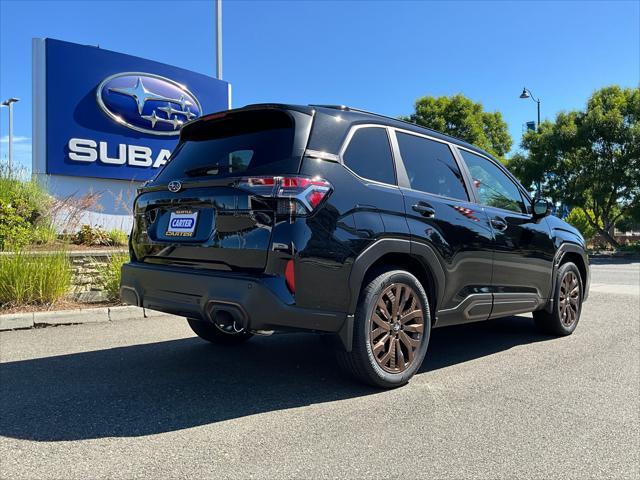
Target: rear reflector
289,277
314,198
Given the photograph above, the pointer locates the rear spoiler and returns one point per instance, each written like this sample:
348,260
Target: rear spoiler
252,107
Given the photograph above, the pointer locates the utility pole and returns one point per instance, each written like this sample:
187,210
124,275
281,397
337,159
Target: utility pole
218,15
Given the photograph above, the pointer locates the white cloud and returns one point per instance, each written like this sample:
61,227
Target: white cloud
16,139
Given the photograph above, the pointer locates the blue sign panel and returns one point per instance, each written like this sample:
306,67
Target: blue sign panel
111,115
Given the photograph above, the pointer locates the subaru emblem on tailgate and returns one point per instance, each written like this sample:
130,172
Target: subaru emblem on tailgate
174,186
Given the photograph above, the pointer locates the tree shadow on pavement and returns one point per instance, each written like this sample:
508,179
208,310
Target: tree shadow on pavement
172,385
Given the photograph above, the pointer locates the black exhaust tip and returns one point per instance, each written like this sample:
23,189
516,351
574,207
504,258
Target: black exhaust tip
225,314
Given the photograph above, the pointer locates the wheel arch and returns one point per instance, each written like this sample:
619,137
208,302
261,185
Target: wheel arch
570,252
577,259
421,262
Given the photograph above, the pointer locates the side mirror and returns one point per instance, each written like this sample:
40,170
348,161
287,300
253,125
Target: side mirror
541,208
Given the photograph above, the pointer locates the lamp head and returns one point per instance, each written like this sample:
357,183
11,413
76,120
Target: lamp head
9,101
525,93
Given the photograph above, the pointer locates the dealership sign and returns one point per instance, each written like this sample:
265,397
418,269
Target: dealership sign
110,115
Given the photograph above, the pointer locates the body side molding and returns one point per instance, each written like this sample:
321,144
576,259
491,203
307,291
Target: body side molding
474,308
505,304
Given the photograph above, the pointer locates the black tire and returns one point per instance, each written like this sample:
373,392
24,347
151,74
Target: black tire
213,333
567,303
362,362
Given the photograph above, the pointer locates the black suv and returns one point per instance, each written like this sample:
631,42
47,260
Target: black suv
338,221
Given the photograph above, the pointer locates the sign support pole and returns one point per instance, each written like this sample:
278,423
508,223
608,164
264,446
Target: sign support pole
218,8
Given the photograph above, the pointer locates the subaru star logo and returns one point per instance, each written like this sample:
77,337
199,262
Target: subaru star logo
174,186
147,103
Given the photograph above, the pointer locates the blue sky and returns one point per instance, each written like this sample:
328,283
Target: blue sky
379,55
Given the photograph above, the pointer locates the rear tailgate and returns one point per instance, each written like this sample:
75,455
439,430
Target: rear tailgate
215,227
209,221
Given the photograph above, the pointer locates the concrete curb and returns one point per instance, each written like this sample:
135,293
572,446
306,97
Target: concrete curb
615,256
103,252
16,321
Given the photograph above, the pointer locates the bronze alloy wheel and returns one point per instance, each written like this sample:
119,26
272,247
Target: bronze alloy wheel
396,328
569,302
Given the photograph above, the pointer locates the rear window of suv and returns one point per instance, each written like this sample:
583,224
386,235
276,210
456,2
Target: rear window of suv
253,143
369,155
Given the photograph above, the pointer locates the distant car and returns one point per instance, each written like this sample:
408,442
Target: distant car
338,221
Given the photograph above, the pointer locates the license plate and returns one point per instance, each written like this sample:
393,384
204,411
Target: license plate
182,223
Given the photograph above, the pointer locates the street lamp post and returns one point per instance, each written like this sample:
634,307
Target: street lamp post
526,93
9,103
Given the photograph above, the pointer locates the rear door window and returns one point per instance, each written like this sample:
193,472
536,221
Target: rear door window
369,155
431,167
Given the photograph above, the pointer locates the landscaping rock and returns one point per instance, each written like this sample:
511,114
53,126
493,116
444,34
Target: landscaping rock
91,296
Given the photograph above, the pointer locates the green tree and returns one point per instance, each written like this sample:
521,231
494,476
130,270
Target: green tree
463,118
589,159
630,221
578,218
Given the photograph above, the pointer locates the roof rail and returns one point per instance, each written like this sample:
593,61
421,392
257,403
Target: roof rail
345,108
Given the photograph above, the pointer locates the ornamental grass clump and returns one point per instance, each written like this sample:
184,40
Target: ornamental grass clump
117,238
110,275
34,279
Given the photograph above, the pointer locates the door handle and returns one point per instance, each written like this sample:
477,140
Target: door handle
424,210
499,224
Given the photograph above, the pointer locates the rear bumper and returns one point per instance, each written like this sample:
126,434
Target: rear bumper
195,294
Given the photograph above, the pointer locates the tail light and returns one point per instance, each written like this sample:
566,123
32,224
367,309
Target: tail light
298,195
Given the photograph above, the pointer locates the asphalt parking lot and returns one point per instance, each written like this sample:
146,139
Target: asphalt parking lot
147,399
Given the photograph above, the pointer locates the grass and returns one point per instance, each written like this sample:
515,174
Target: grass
118,238
27,212
110,275
44,233
29,278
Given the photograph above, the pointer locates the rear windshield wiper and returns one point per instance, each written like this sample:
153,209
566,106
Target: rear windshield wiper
211,169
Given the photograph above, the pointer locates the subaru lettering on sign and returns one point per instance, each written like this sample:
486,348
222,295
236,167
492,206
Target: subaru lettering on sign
147,103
